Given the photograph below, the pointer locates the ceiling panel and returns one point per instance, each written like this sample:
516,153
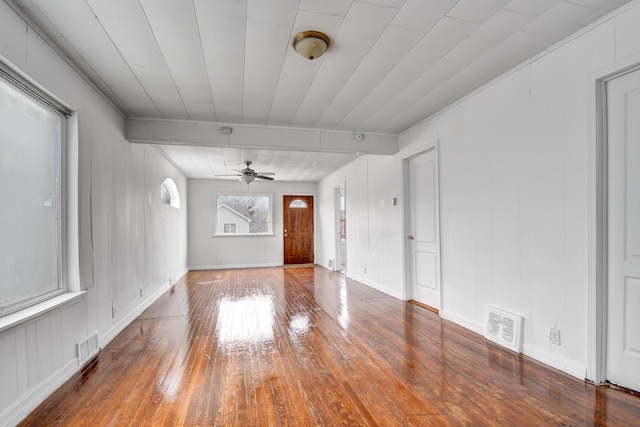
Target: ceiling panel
502,25
127,26
329,7
298,73
222,29
448,32
367,20
390,62
177,34
559,21
334,72
391,47
421,14
531,7
93,44
266,46
406,72
476,10
208,162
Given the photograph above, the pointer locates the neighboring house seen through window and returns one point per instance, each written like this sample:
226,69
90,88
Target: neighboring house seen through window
244,214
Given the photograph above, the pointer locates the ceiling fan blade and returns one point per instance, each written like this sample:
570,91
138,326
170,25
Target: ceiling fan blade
234,174
268,178
266,173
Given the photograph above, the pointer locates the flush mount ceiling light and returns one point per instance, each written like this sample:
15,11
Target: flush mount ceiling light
311,44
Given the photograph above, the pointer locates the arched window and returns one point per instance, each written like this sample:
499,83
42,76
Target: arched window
169,195
297,203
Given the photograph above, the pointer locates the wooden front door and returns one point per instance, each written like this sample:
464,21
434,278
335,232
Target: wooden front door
298,229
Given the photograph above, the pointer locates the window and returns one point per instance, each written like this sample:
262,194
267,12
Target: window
297,203
169,195
244,214
31,229
230,228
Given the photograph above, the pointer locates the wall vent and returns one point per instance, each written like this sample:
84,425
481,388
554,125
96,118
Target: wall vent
87,348
505,328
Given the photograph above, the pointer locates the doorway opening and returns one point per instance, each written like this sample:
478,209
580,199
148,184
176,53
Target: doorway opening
340,203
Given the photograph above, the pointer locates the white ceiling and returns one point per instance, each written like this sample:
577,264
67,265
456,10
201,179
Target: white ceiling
391,63
207,162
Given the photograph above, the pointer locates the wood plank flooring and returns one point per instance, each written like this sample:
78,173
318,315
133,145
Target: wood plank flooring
305,346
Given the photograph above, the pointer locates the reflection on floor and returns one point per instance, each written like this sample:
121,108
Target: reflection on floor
305,346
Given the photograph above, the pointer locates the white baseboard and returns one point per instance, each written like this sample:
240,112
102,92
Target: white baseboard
462,321
377,286
29,401
125,321
542,355
233,266
571,367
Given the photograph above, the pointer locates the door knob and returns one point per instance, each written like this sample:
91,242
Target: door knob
410,236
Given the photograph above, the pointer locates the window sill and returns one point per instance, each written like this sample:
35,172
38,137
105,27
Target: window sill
244,235
22,316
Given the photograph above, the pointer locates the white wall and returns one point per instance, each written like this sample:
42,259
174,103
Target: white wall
374,226
208,251
126,239
514,177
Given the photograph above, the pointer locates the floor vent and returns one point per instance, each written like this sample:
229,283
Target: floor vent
505,329
87,348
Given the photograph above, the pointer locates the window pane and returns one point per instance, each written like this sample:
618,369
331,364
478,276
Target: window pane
297,203
29,140
250,214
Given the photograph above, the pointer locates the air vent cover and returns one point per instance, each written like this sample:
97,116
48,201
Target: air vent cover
505,328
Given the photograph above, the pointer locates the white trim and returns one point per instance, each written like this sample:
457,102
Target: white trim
21,407
540,354
463,321
17,319
597,218
125,321
377,286
556,361
234,266
254,126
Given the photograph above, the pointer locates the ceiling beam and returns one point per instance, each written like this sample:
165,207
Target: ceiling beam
180,132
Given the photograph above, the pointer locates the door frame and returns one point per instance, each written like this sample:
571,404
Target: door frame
337,195
315,216
597,284
406,218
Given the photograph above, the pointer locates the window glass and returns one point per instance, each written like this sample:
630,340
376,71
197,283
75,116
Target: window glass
251,214
30,230
297,203
169,195
230,228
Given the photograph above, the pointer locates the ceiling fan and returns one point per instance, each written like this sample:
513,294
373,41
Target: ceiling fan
248,175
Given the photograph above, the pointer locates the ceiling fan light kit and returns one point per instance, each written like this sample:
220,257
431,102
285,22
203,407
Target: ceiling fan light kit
311,44
248,175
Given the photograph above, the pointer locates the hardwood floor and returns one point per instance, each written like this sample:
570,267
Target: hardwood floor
304,346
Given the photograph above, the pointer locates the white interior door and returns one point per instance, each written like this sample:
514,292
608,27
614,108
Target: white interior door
424,241
623,319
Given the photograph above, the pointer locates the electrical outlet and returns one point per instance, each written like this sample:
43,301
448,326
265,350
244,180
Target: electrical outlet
140,292
554,336
113,311
365,270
